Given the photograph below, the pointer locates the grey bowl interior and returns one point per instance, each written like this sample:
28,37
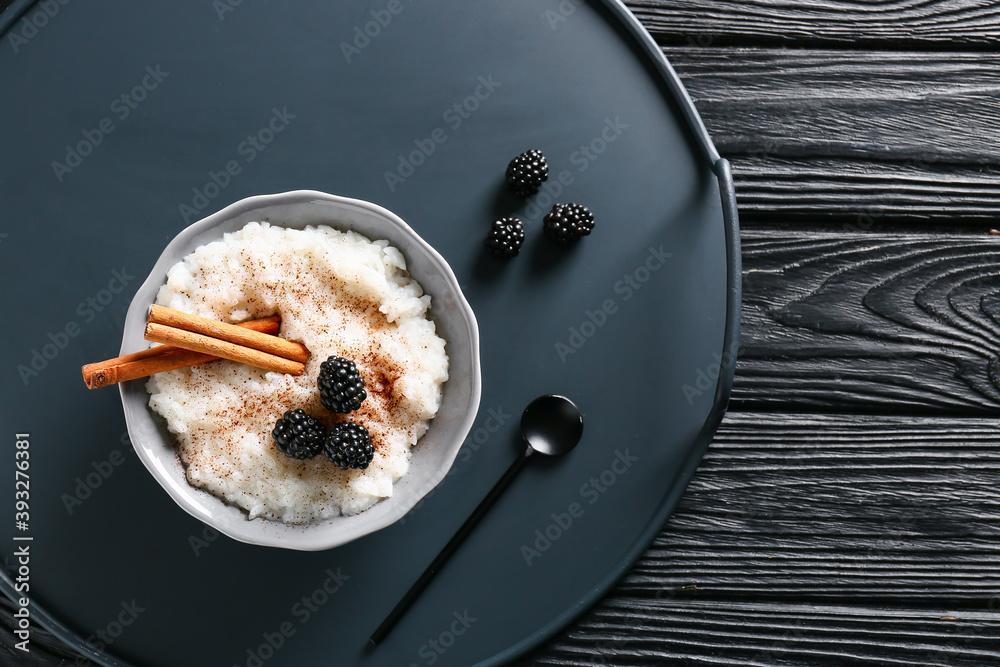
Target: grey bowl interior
434,453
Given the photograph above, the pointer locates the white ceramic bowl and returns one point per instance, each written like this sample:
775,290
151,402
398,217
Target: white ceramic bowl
433,455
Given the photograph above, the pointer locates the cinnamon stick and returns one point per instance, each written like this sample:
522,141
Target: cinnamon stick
159,359
228,332
160,333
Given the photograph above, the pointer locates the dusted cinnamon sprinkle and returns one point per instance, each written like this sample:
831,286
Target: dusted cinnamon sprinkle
337,293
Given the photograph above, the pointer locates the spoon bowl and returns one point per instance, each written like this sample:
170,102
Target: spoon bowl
552,425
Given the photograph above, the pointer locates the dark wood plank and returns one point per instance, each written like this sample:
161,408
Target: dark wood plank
857,137
838,508
877,322
929,25
632,632
865,194
817,540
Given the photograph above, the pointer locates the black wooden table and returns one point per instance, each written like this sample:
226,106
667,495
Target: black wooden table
848,512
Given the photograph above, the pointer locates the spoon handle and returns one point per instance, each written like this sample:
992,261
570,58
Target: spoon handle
411,595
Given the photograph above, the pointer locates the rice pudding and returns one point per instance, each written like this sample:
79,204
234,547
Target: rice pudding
339,294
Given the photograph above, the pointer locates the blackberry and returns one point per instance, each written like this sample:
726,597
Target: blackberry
349,446
527,172
568,222
298,435
505,237
340,386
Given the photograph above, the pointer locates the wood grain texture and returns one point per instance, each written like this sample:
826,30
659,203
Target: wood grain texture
817,540
837,508
929,25
633,632
852,136
872,322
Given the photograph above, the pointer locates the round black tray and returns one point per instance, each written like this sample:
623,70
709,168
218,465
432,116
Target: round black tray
124,123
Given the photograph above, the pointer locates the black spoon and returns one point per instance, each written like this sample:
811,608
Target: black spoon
551,425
